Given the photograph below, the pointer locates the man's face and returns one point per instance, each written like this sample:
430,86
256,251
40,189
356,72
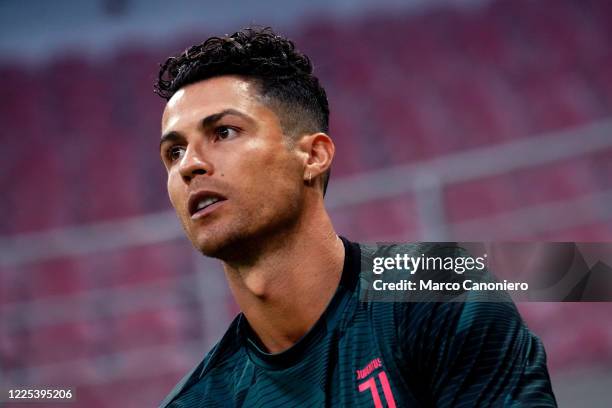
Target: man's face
233,178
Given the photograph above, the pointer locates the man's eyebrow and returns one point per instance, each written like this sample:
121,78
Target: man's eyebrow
210,120
170,137
207,122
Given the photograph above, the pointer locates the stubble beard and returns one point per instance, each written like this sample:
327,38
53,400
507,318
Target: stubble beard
242,241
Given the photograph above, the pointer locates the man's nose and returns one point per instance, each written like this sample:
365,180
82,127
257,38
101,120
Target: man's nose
193,163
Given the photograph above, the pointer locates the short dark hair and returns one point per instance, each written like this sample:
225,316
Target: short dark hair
282,74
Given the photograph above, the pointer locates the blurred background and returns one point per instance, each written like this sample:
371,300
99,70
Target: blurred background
454,120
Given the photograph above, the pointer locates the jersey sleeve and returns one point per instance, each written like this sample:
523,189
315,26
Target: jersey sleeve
473,353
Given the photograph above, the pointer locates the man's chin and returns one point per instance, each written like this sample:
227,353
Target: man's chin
221,246
210,247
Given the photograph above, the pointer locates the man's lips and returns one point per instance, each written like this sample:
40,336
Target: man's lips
203,202
207,210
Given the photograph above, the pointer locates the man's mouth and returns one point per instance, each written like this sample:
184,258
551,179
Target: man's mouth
203,203
206,202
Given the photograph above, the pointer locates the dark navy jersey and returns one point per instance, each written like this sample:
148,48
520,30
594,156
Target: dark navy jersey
378,354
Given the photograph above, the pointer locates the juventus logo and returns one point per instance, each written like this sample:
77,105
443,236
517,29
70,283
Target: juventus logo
370,383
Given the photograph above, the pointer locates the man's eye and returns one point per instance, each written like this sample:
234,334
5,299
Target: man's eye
175,153
225,132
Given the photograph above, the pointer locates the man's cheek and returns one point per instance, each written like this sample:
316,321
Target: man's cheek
175,198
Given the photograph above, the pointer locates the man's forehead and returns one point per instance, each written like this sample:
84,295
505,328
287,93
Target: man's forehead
210,96
210,90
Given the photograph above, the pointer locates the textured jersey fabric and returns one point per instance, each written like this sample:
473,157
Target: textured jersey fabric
378,354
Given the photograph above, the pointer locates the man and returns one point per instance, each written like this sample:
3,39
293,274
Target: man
245,145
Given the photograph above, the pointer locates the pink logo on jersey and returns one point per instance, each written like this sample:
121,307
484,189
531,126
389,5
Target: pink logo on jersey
371,384
367,370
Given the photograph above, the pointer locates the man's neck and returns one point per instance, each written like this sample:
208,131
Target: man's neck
287,288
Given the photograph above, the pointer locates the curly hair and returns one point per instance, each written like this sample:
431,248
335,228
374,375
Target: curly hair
283,76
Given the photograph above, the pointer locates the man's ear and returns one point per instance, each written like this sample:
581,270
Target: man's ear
319,150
